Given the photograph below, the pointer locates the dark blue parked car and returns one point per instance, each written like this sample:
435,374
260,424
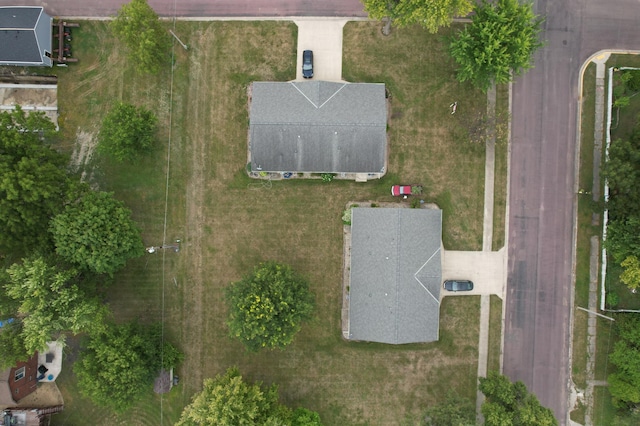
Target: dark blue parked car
307,64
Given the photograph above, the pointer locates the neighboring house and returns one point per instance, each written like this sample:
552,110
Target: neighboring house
395,275
25,36
318,127
18,382
29,417
28,394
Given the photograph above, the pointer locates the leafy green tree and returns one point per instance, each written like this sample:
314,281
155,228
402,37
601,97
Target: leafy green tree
431,14
227,400
127,131
267,307
454,411
51,301
631,80
12,349
138,27
624,383
118,366
631,274
623,237
97,233
509,403
34,182
622,171
499,43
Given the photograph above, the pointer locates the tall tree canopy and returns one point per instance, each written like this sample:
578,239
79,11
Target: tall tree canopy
138,27
50,301
227,400
267,307
12,348
34,181
97,233
499,42
117,366
622,171
431,14
127,131
509,404
624,383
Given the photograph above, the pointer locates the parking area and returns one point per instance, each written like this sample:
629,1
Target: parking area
324,37
485,268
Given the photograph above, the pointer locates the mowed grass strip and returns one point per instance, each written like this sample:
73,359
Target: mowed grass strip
227,223
585,229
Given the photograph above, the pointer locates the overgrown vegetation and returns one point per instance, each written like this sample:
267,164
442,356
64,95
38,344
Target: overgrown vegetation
116,365
621,171
34,185
624,383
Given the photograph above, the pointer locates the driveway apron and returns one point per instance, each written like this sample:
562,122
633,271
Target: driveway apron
324,37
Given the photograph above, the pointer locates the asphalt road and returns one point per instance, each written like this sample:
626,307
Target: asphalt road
202,8
542,192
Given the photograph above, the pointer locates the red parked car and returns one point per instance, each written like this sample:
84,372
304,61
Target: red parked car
400,190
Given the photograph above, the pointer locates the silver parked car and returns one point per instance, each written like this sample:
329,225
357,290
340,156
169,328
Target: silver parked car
458,285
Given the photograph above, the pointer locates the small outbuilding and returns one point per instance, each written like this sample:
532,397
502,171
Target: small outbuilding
318,127
395,275
25,36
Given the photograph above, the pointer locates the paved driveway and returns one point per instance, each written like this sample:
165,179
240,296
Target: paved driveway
485,268
324,37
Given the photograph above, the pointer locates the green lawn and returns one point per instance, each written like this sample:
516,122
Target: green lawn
227,223
495,334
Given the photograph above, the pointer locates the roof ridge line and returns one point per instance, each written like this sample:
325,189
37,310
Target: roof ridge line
293,83
415,275
335,93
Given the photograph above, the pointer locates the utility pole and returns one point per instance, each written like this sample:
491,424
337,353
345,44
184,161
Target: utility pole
596,313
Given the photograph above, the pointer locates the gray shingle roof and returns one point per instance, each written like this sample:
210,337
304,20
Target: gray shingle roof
318,126
25,36
396,273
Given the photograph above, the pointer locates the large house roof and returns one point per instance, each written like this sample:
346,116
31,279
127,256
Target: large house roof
25,36
318,126
395,275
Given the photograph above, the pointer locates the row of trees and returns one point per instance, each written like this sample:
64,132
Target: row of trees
622,170
498,44
624,383
506,404
70,240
